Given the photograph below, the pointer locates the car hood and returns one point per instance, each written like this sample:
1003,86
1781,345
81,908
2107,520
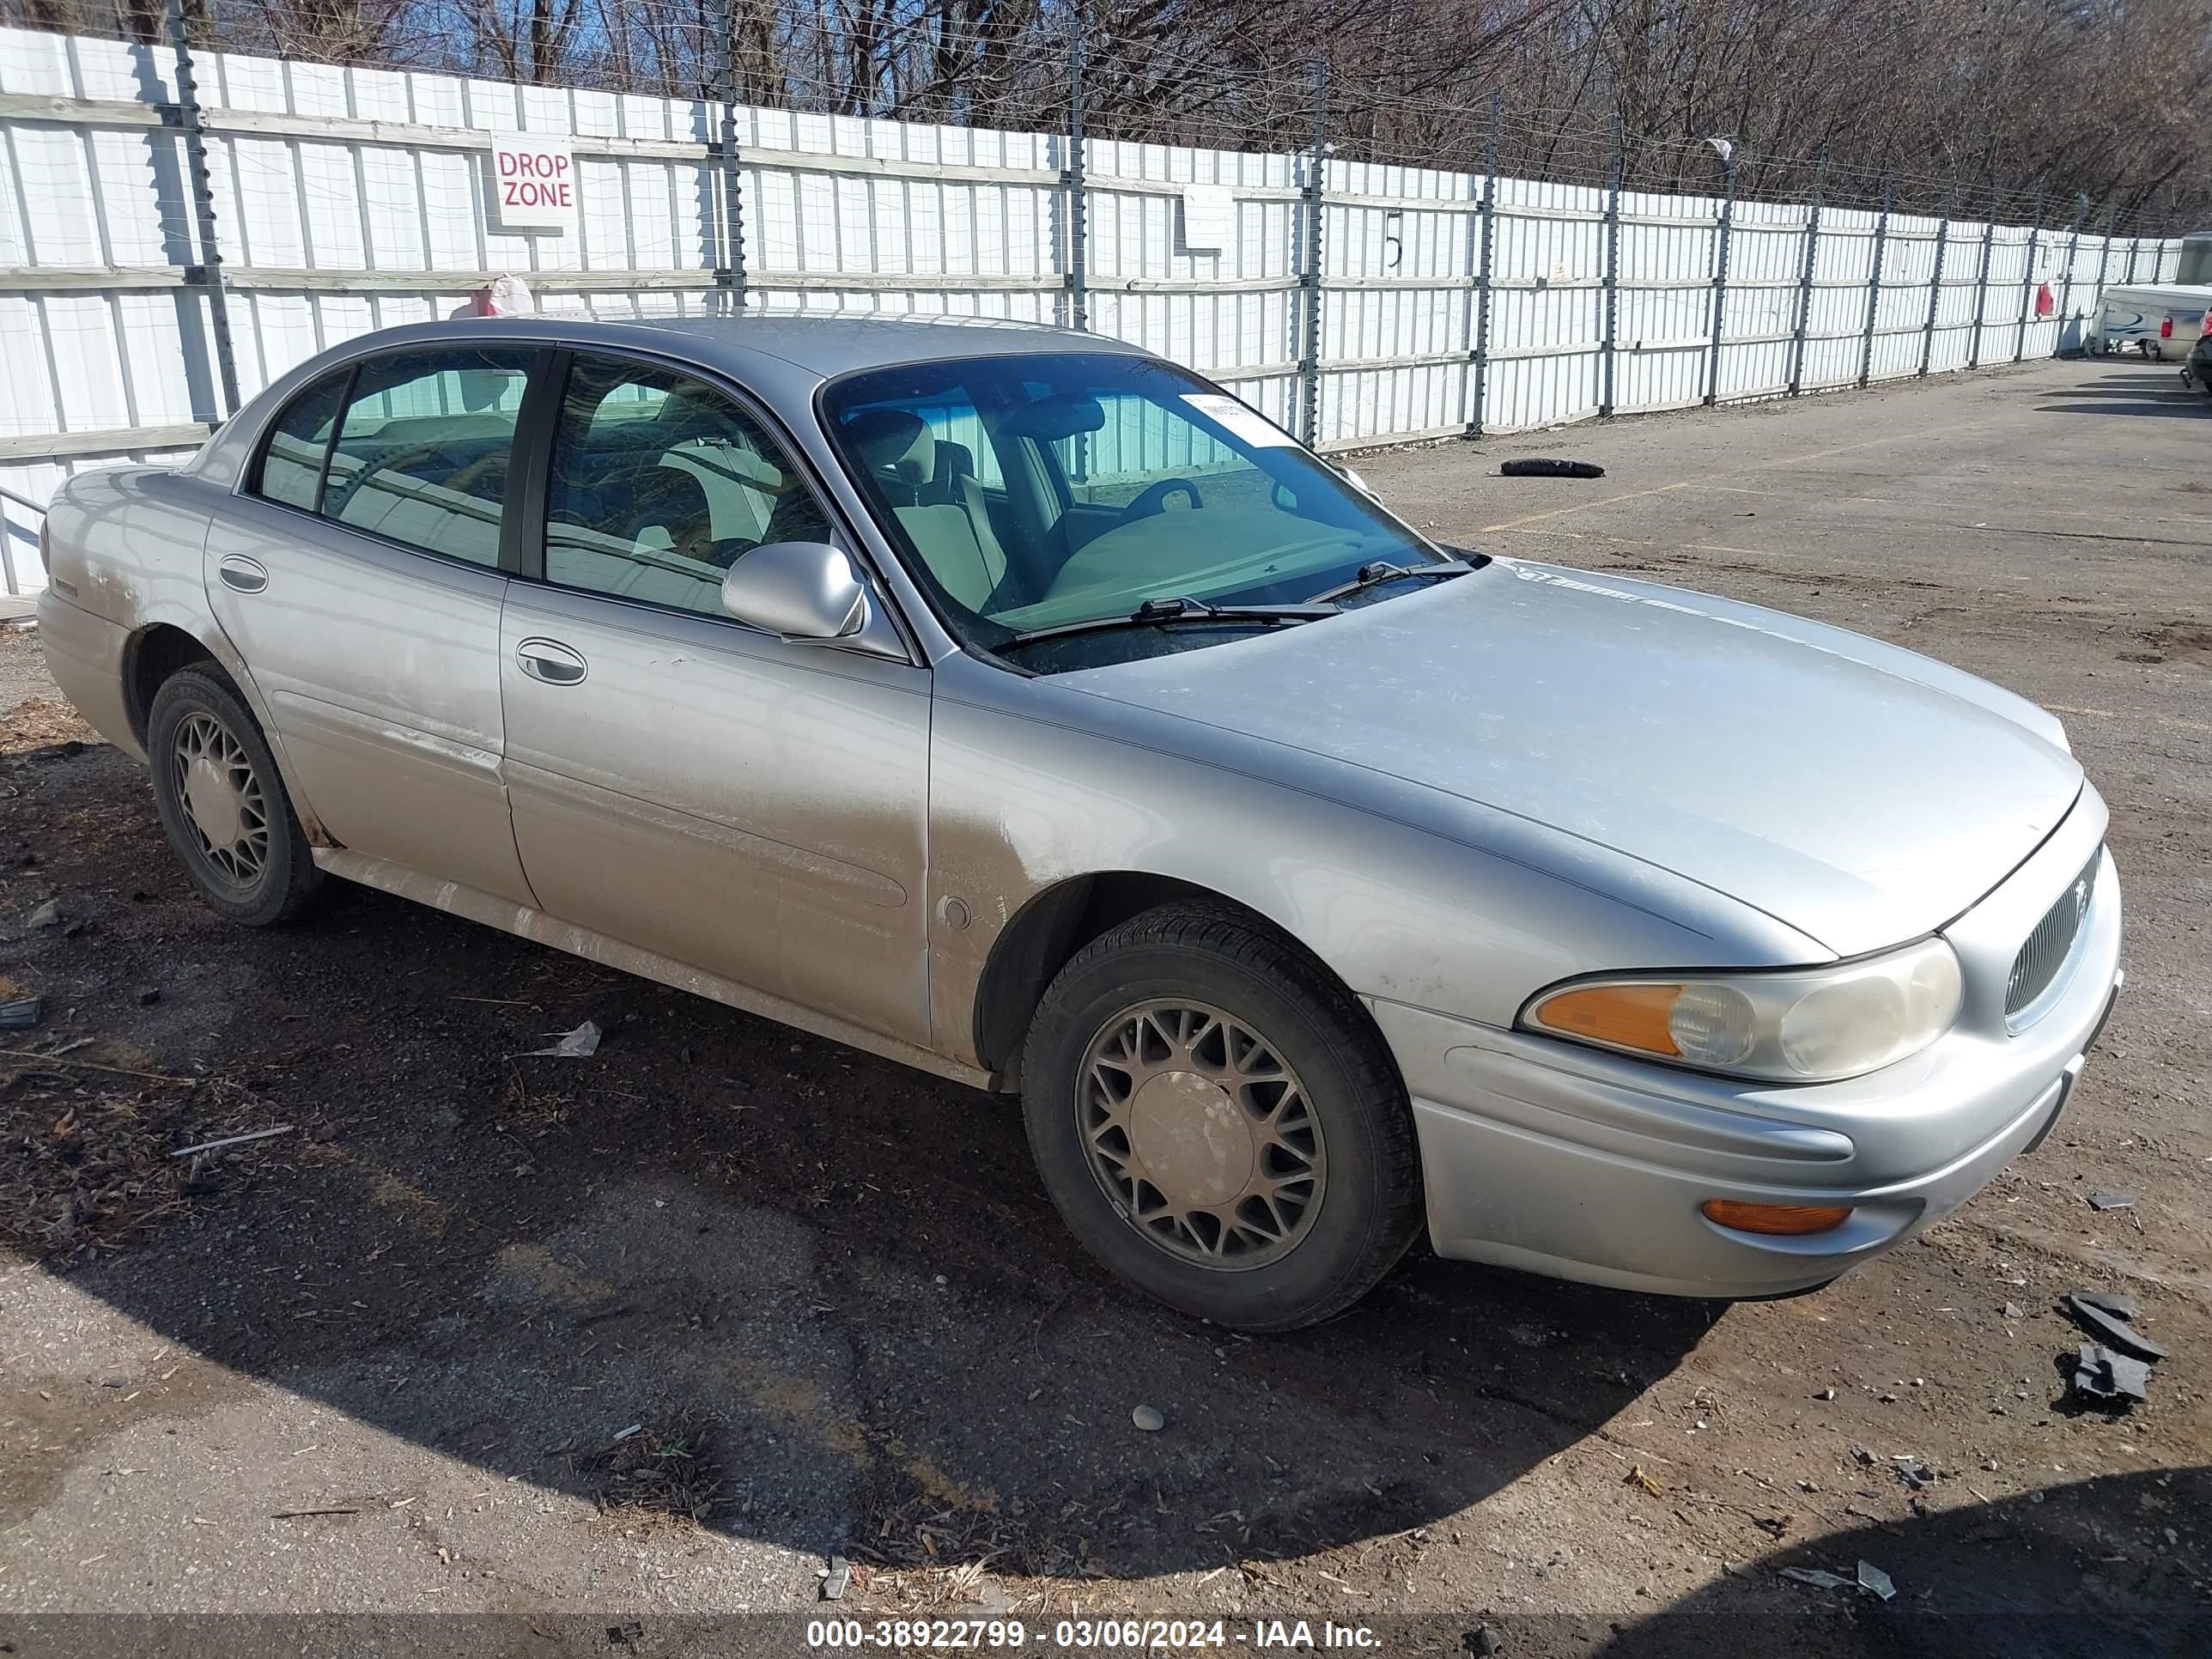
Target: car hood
1861,793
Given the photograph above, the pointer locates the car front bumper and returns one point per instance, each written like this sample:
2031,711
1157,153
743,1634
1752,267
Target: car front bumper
1547,1156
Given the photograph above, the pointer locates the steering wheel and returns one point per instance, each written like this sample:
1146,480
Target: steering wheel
1155,497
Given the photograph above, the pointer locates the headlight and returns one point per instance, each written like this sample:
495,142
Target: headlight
1810,1026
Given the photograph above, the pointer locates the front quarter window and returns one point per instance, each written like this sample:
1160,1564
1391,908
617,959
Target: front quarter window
1034,493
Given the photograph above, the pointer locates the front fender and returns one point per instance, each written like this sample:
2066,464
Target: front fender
1406,895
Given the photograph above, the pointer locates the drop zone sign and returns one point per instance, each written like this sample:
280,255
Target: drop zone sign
533,183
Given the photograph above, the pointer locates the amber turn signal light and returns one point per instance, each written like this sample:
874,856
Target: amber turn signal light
1790,1220
1625,1016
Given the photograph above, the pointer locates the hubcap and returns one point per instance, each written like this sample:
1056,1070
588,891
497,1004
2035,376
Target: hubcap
1201,1134
224,806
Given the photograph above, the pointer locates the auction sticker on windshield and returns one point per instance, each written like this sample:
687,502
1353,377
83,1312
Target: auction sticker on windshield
1240,420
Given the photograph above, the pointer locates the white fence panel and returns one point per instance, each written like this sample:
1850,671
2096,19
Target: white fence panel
347,200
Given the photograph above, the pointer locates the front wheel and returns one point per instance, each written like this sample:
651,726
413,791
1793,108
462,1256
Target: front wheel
223,803
1219,1122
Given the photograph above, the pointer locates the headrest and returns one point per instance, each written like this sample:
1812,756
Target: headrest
692,408
894,443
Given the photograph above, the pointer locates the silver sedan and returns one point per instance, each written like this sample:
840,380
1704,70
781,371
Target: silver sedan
1023,707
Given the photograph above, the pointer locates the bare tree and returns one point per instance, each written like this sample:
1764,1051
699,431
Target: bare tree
2011,99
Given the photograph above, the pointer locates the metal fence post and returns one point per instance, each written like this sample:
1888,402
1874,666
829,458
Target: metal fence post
2073,251
732,273
1805,279
1874,284
2027,281
1606,348
2105,262
1078,209
2135,249
1719,280
1482,275
202,185
1310,279
1982,292
1935,278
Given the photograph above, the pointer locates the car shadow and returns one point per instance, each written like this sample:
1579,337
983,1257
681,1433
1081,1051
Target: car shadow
2108,1568
835,1285
2155,391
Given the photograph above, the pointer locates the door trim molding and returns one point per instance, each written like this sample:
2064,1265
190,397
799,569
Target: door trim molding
536,925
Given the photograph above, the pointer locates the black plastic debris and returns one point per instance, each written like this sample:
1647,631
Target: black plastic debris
1868,1578
1537,467
1484,1640
2120,1201
2119,1303
2102,1377
1914,1473
22,1014
2112,1333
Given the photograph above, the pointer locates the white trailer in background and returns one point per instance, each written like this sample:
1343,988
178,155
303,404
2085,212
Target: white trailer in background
2159,321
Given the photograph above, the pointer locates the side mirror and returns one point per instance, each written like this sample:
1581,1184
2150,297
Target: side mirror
798,590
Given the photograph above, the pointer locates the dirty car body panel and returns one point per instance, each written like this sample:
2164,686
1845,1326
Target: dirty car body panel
1459,797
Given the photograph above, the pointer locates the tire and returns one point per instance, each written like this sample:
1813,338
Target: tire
1538,467
1121,1057
264,875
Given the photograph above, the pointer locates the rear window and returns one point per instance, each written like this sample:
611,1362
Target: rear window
419,455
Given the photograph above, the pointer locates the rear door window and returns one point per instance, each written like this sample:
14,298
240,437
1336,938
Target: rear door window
422,453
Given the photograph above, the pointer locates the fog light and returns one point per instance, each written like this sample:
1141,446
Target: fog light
1793,1220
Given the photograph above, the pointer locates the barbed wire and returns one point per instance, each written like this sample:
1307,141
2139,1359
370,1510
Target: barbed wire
881,60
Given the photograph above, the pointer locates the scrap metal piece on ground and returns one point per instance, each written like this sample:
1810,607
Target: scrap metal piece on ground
836,1579
21,1014
2113,1332
2119,1200
1537,467
1873,1579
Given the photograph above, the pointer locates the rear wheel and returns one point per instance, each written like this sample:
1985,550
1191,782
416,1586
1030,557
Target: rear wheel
1219,1122
222,802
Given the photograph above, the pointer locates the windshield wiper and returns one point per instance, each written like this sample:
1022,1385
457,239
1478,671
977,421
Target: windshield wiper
1153,613
1374,575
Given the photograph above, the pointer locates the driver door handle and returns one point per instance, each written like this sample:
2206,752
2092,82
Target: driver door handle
551,661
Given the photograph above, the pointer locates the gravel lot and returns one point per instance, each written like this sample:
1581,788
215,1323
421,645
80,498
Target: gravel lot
381,1363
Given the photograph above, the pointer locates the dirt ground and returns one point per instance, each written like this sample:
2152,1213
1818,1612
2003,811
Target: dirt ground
612,1354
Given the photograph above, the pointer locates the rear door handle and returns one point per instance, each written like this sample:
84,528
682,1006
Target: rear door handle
551,661
246,575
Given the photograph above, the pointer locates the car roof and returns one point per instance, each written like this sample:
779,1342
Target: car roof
779,355
836,345
819,346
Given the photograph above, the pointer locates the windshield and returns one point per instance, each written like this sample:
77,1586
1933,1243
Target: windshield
1030,493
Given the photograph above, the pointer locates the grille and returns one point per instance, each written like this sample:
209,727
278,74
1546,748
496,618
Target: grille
2048,946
